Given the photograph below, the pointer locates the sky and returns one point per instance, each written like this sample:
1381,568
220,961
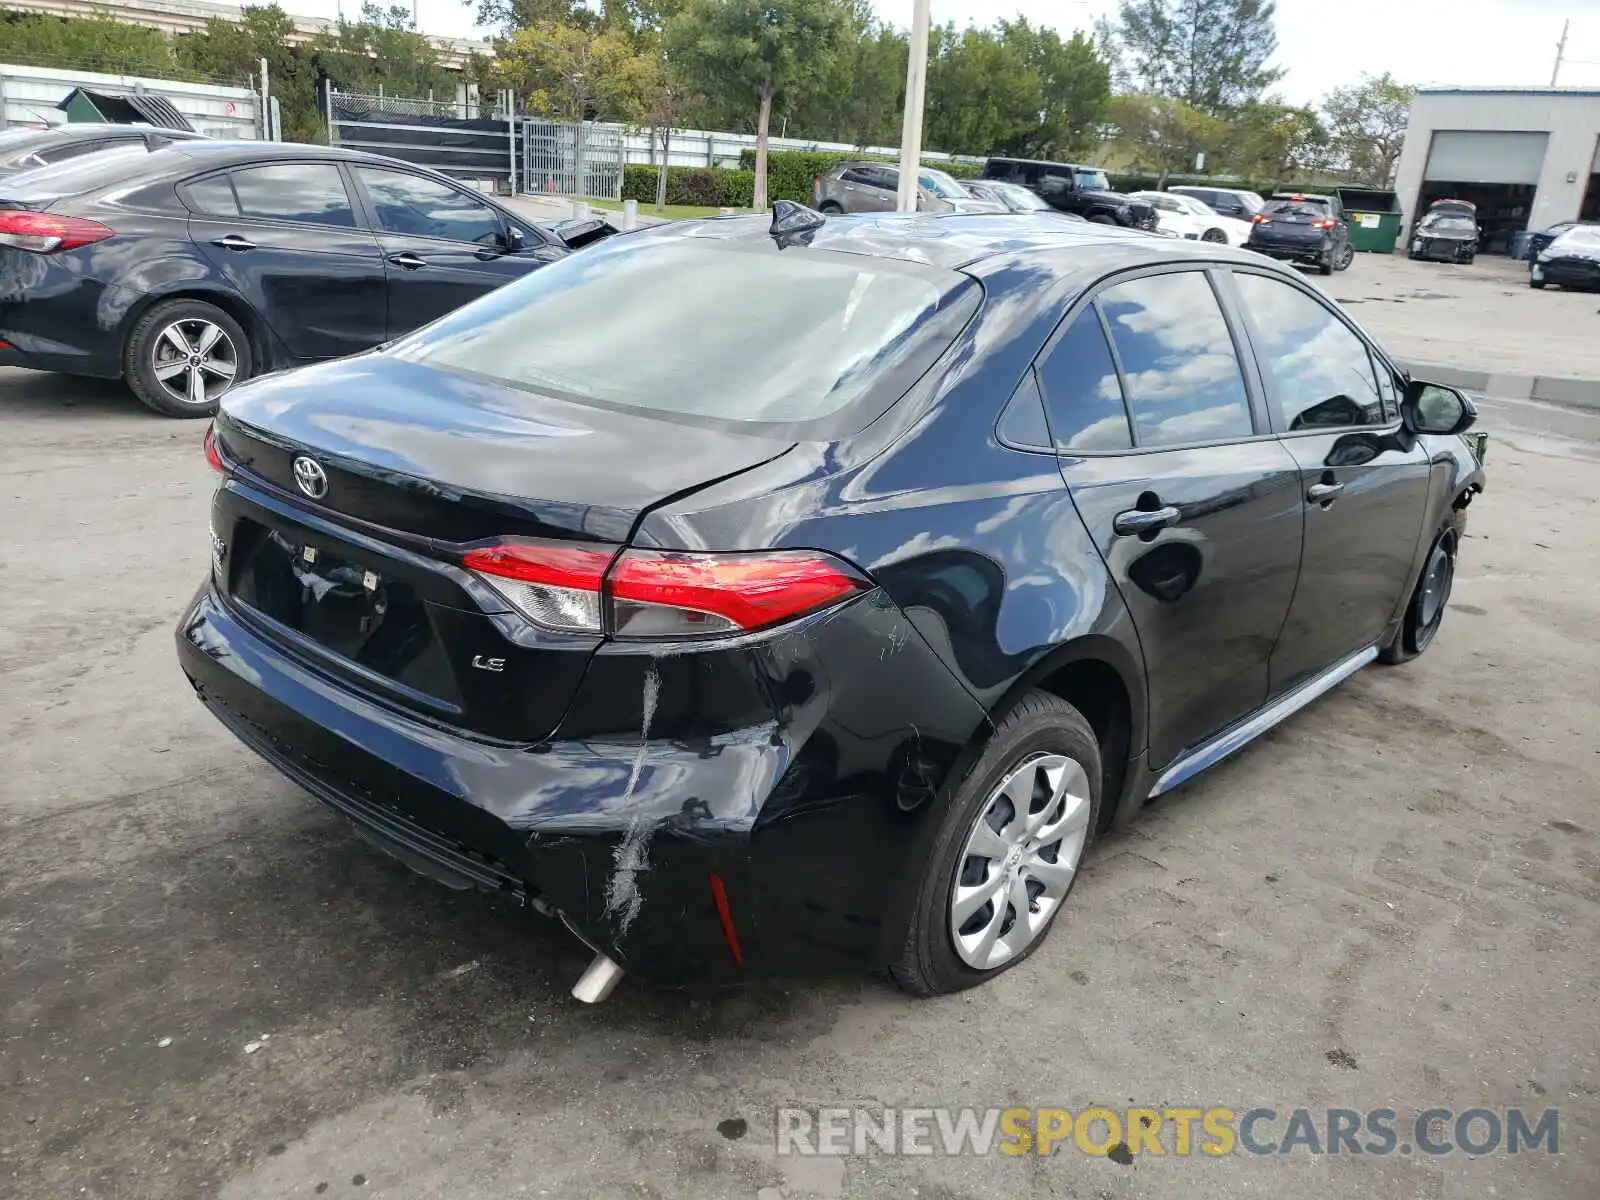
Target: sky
1322,44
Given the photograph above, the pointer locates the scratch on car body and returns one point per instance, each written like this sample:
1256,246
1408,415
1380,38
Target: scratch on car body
632,855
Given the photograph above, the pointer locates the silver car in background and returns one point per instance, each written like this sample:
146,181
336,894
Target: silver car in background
861,187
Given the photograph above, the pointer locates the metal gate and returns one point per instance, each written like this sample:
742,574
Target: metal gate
577,159
453,138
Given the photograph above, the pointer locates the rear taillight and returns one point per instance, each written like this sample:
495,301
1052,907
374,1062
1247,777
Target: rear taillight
213,455
651,594
1323,223
46,233
1260,219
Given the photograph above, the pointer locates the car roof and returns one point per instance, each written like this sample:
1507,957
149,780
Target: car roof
976,243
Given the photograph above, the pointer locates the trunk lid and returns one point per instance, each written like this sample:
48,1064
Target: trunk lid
364,579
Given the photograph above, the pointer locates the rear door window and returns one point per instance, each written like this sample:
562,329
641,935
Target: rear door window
213,196
305,193
1083,396
416,207
1180,370
1319,373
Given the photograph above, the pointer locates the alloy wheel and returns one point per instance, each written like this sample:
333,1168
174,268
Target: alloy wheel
195,361
1019,860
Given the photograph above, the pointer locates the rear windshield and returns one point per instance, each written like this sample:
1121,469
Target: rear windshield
695,327
1306,206
1451,224
72,176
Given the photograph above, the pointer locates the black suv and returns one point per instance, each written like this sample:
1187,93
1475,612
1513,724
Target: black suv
1082,190
1303,228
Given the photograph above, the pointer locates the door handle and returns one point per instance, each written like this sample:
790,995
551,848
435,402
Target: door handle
1139,520
234,241
408,260
1323,493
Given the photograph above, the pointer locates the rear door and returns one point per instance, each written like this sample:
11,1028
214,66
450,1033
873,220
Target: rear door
285,236
1192,502
1364,483
442,246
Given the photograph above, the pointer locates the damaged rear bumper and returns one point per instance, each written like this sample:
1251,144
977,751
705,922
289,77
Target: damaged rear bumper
692,846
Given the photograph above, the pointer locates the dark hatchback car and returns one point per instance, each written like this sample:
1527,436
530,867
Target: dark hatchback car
25,149
1445,237
803,598
189,269
1304,229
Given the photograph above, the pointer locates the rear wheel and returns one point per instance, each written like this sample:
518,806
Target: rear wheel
1102,218
1346,257
1536,284
182,355
1425,612
829,207
1007,850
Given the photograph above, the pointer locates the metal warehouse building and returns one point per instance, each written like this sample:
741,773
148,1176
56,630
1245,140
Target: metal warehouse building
1526,158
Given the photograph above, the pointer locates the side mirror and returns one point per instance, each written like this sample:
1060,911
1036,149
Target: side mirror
514,241
1435,408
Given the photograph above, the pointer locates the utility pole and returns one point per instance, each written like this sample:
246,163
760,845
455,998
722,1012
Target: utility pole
1561,50
916,90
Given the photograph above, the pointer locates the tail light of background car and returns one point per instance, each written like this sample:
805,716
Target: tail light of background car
46,233
1324,223
661,594
1260,219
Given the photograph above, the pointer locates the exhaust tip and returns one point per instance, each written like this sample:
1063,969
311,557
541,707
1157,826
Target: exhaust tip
599,980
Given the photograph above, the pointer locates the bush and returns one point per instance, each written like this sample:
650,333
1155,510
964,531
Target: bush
790,172
706,187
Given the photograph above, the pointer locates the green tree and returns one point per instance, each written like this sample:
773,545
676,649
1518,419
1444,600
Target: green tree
983,95
1161,134
383,48
1076,79
579,73
508,16
754,50
1273,140
1366,125
96,43
233,50
1213,55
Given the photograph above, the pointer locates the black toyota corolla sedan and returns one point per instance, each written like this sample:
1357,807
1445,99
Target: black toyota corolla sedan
196,266
806,596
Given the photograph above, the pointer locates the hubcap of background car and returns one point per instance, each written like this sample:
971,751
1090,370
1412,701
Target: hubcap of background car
195,361
1019,860
1435,589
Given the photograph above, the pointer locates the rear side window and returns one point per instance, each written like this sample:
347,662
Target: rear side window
1319,373
1179,367
214,196
1083,397
732,333
306,193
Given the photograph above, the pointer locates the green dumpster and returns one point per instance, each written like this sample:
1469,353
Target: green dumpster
1374,218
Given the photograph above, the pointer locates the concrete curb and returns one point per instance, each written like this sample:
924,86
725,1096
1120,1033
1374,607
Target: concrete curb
1573,393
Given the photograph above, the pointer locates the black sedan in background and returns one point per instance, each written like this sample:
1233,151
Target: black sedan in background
191,268
25,149
806,596
1444,237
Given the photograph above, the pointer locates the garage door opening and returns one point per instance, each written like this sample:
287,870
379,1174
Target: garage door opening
1503,208
1590,209
1497,170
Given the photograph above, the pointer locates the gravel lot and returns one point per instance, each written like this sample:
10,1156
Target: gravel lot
1392,900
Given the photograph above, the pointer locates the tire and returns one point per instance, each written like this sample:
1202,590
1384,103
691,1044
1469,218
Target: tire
216,343
1102,219
1325,264
1426,607
1345,259
1042,739
1536,284
1214,235
830,207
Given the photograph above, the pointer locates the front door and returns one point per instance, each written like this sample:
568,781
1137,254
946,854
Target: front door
286,238
1195,509
442,246
1364,481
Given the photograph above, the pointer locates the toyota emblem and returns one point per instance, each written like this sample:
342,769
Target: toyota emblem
310,477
